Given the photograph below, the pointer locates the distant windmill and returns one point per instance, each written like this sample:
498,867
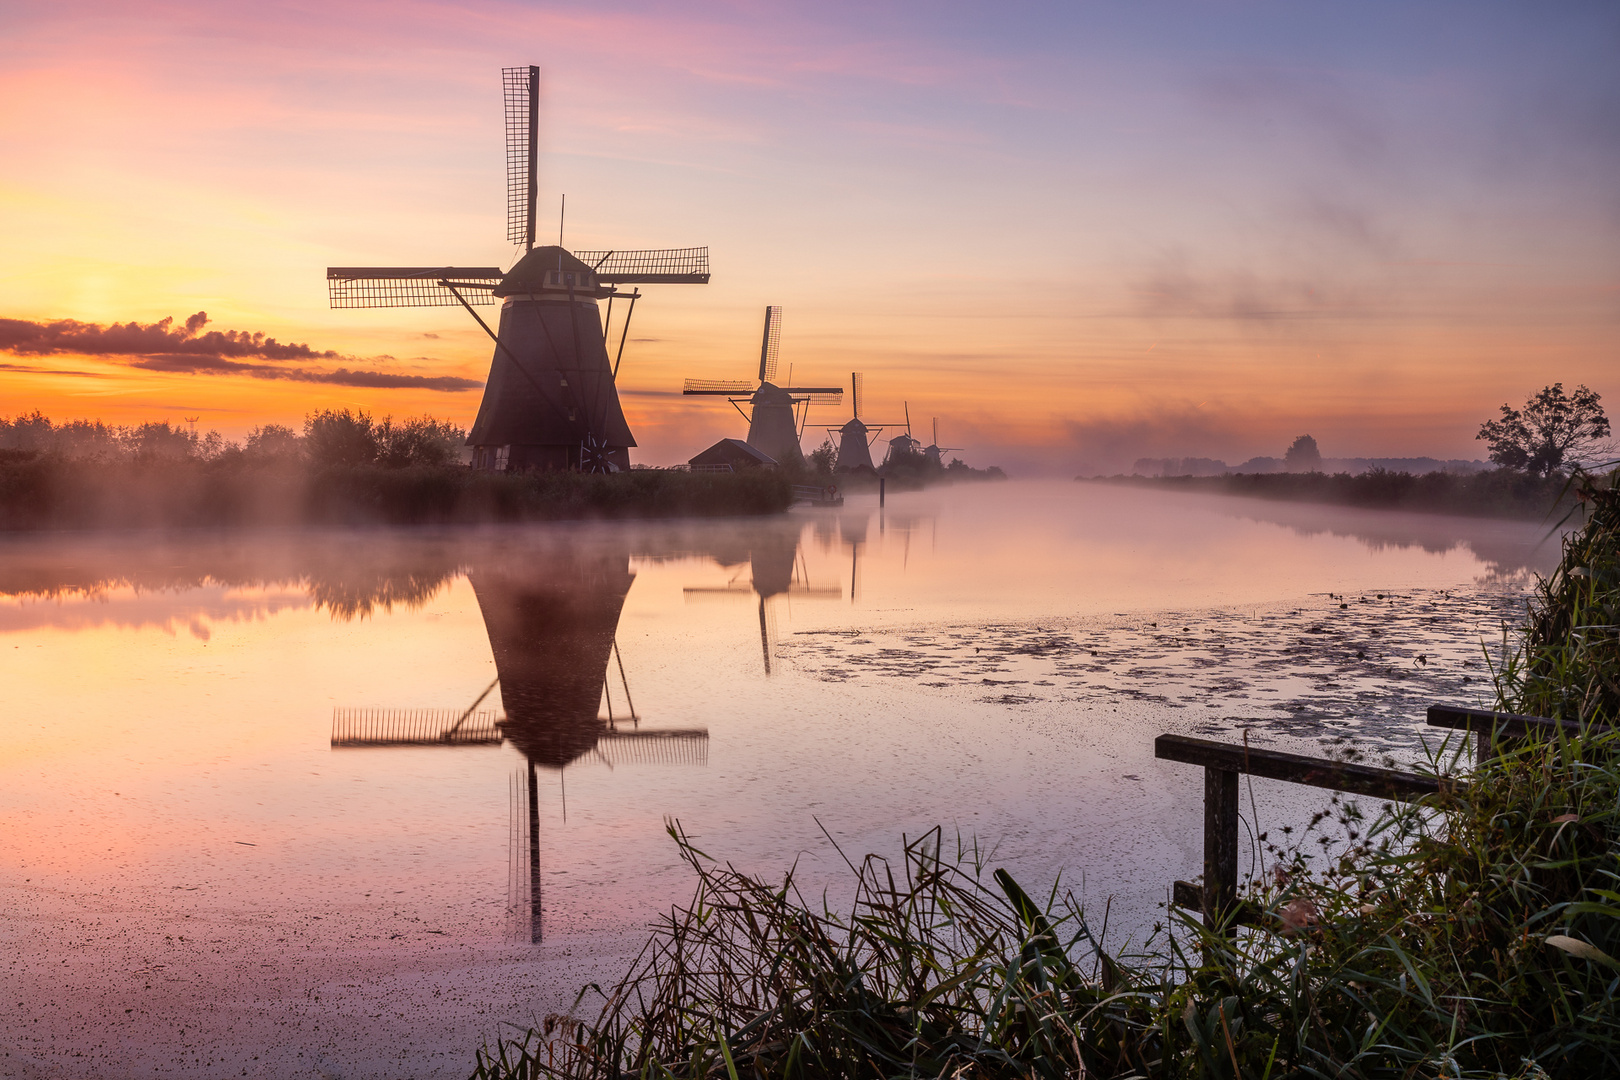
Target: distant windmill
551,400
934,454
773,427
903,446
855,438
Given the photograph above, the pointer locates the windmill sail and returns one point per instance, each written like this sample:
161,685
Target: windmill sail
522,87
771,347
655,266
410,286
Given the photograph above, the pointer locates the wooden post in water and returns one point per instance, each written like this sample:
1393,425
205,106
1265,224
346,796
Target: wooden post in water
881,482
534,857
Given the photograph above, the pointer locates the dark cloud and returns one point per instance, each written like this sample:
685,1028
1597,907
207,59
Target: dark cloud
137,339
32,370
163,346
382,380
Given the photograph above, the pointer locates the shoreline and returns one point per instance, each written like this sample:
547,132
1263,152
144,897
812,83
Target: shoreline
1500,493
48,493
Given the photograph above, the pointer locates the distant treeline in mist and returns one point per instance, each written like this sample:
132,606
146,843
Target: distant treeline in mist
1198,466
345,468
1494,493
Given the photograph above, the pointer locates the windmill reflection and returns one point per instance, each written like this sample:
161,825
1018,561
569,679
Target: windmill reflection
552,617
776,568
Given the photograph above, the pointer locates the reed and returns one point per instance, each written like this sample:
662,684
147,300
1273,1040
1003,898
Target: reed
1473,933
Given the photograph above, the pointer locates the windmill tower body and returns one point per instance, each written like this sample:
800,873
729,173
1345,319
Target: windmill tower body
854,447
772,426
901,447
550,401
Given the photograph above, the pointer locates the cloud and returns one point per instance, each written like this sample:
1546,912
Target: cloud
1173,291
134,339
163,346
32,370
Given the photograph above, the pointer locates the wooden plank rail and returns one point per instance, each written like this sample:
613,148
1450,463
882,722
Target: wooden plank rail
1491,728
1223,763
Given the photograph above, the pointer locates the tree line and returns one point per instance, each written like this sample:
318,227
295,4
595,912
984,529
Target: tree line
329,437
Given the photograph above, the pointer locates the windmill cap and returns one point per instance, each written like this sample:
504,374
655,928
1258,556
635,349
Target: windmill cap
529,274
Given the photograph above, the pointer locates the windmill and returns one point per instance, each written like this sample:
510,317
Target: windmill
551,400
855,438
773,427
902,447
934,453
552,618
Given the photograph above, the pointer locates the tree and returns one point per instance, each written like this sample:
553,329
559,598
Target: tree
824,458
333,437
273,441
1303,456
1552,431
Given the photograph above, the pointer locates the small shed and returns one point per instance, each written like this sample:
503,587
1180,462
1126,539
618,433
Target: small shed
731,455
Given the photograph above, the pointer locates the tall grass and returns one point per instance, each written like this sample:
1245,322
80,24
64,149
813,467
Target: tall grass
1471,934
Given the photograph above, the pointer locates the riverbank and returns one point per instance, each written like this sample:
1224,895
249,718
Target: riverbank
1498,493
47,491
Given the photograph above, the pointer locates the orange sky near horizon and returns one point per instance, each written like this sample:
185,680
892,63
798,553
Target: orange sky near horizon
1076,235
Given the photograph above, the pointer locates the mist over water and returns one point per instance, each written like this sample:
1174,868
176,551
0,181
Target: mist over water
261,807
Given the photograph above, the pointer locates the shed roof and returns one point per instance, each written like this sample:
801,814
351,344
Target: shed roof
732,452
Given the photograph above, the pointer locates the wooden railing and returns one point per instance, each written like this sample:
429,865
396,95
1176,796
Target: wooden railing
1223,763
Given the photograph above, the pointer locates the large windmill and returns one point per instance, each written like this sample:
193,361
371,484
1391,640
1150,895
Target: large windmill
551,400
774,420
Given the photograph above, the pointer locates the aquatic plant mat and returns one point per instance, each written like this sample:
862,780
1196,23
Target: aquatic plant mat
1471,933
1357,667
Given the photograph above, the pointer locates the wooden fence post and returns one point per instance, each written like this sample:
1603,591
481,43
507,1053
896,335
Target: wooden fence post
1220,844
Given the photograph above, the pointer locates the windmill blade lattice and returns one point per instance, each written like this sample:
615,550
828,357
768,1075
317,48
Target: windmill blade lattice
409,286
522,88
771,347
654,266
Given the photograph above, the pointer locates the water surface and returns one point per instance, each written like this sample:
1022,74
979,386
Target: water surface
344,803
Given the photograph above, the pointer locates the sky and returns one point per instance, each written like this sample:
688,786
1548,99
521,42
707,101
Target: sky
1075,233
